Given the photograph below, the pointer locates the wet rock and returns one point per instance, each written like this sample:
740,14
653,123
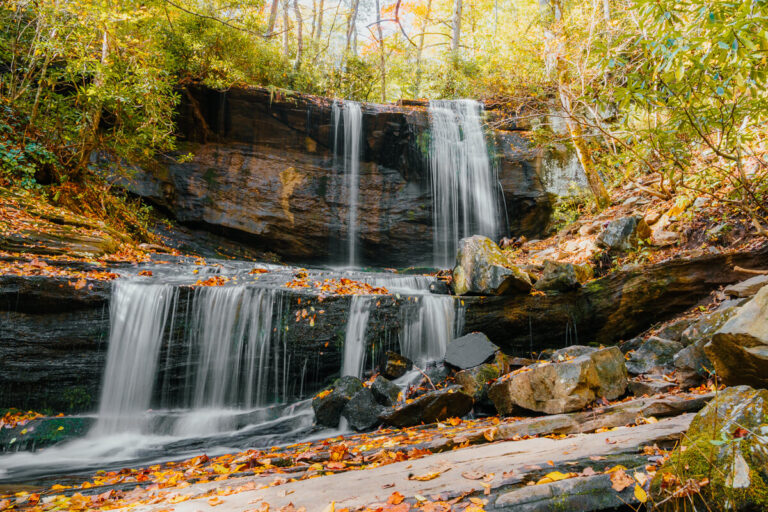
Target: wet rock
44,432
430,407
396,365
652,385
746,288
483,269
385,391
437,373
623,234
470,350
655,355
563,276
329,404
728,434
559,387
570,352
439,287
362,411
692,366
739,349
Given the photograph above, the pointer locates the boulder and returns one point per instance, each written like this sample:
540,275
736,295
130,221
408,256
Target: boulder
674,330
692,366
474,381
329,404
623,234
396,365
727,435
559,387
746,288
483,269
362,411
469,351
655,355
707,325
439,287
384,391
563,276
652,385
739,349
430,407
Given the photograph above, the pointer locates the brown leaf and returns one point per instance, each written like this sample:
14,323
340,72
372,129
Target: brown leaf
620,480
473,475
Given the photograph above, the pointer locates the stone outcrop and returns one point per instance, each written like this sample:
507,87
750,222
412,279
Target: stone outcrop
263,172
559,387
623,234
563,276
483,269
739,349
362,411
746,288
615,307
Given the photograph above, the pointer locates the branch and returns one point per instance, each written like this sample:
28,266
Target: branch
218,20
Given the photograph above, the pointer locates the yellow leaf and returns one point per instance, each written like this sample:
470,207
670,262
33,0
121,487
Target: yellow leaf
640,494
424,478
614,469
331,507
554,477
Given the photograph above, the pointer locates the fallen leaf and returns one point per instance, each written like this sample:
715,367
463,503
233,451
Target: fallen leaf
395,498
640,494
620,480
473,475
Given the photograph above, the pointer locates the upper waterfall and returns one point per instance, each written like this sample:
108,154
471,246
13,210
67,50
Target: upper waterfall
464,183
347,136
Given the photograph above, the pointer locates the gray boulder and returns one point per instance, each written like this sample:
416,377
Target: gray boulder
651,385
483,269
439,287
707,325
430,407
470,350
674,331
362,411
474,381
739,349
746,288
623,234
692,366
559,387
329,404
384,391
655,355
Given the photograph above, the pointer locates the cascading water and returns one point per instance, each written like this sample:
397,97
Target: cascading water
139,314
427,329
354,338
347,133
465,199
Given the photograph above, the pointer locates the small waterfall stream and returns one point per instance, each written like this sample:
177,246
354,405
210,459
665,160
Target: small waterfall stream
347,140
464,195
354,338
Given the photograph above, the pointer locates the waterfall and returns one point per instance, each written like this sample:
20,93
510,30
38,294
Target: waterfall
139,314
428,328
347,132
354,338
465,201
232,329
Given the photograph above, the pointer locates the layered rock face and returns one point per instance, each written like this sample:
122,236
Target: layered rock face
263,172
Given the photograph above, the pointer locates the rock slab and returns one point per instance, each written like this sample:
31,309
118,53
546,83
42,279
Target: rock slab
470,350
483,269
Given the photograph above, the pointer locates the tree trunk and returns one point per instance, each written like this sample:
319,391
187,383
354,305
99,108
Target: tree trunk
286,29
352,24
382,60
272,18
456,40
314,20
320,10
299,35
420,50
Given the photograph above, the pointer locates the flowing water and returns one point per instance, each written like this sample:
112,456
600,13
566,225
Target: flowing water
347,140
464,183
211,369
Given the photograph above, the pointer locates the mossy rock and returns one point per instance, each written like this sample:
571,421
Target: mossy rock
726,445
44,432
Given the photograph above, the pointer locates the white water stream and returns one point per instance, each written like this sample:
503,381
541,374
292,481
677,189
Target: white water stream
464,193
347,140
